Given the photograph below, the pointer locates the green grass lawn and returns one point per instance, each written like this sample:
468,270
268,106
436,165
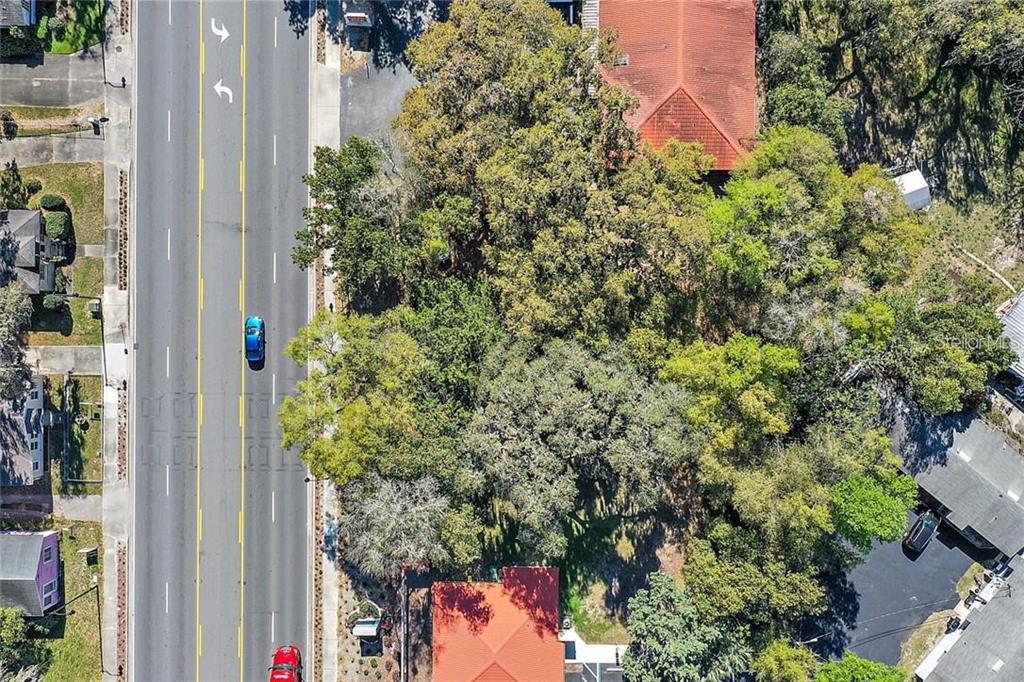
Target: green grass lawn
593,623
87,28
81,185
70,326
68,647
86,274
85,439
76,655
39,121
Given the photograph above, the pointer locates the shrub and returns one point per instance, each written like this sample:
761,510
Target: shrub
43,28
53,301
19,42
33,185
8,126
51,202
56,225
56,27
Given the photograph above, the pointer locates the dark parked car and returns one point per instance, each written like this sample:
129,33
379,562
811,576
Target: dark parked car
922,532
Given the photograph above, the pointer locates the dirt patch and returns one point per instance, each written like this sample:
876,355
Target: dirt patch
421,660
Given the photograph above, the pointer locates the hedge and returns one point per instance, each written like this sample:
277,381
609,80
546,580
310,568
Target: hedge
33,185
51,202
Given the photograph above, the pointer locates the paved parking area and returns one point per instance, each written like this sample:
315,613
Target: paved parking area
880,602
53,79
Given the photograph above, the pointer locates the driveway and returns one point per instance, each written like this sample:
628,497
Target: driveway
374,81
876,605
53,80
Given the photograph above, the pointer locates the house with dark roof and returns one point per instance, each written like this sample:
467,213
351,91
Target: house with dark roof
691,65
507,631
26,253
17,13
30,571
988,646
23,425
972,472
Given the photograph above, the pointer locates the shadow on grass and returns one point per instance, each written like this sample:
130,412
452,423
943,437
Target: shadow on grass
45,320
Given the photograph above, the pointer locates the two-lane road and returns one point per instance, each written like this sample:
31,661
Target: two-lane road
219,551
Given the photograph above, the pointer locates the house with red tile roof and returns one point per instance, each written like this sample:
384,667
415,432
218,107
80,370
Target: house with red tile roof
498,632
691,65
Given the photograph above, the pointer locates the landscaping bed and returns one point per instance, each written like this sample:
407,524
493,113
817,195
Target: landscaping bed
27,121
82,25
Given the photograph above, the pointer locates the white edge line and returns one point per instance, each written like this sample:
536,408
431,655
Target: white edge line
273,506
275,267
167,480
168,125
167,597
273,389
168,244
275,149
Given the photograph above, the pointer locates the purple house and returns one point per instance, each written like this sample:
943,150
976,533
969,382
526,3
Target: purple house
30,570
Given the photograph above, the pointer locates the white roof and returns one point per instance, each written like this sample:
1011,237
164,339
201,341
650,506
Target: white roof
914,189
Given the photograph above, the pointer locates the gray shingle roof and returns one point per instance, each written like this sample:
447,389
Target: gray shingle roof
991,648
21,233
19,561
971,468
1013,329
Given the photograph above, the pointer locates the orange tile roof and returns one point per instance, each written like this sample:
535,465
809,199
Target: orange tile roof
691,64
499,632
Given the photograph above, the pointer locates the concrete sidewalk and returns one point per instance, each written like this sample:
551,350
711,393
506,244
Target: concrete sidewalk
53,80
86,360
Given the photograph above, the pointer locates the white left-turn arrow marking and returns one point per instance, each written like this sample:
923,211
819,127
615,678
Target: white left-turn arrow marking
222,90
222,32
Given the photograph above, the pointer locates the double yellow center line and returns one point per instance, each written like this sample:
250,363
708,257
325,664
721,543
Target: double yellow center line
199,354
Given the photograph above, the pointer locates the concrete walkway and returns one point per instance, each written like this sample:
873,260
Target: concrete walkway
71,507
590,653
53,80
69,148
117,497
86,360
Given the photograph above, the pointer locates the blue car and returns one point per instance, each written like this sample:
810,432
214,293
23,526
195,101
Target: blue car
255,339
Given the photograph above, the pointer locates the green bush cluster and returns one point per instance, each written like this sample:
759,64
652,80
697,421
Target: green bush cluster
51,202
33,185
56,225
53,301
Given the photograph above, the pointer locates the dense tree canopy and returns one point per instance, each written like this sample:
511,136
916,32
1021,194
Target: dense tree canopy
556,430
672,642
15,313
548,327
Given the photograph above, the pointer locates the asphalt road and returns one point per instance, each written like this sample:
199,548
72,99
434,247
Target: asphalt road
219,552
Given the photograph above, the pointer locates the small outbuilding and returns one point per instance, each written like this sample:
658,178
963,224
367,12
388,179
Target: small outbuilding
915,190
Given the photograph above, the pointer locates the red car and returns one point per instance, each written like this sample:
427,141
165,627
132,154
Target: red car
287,665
